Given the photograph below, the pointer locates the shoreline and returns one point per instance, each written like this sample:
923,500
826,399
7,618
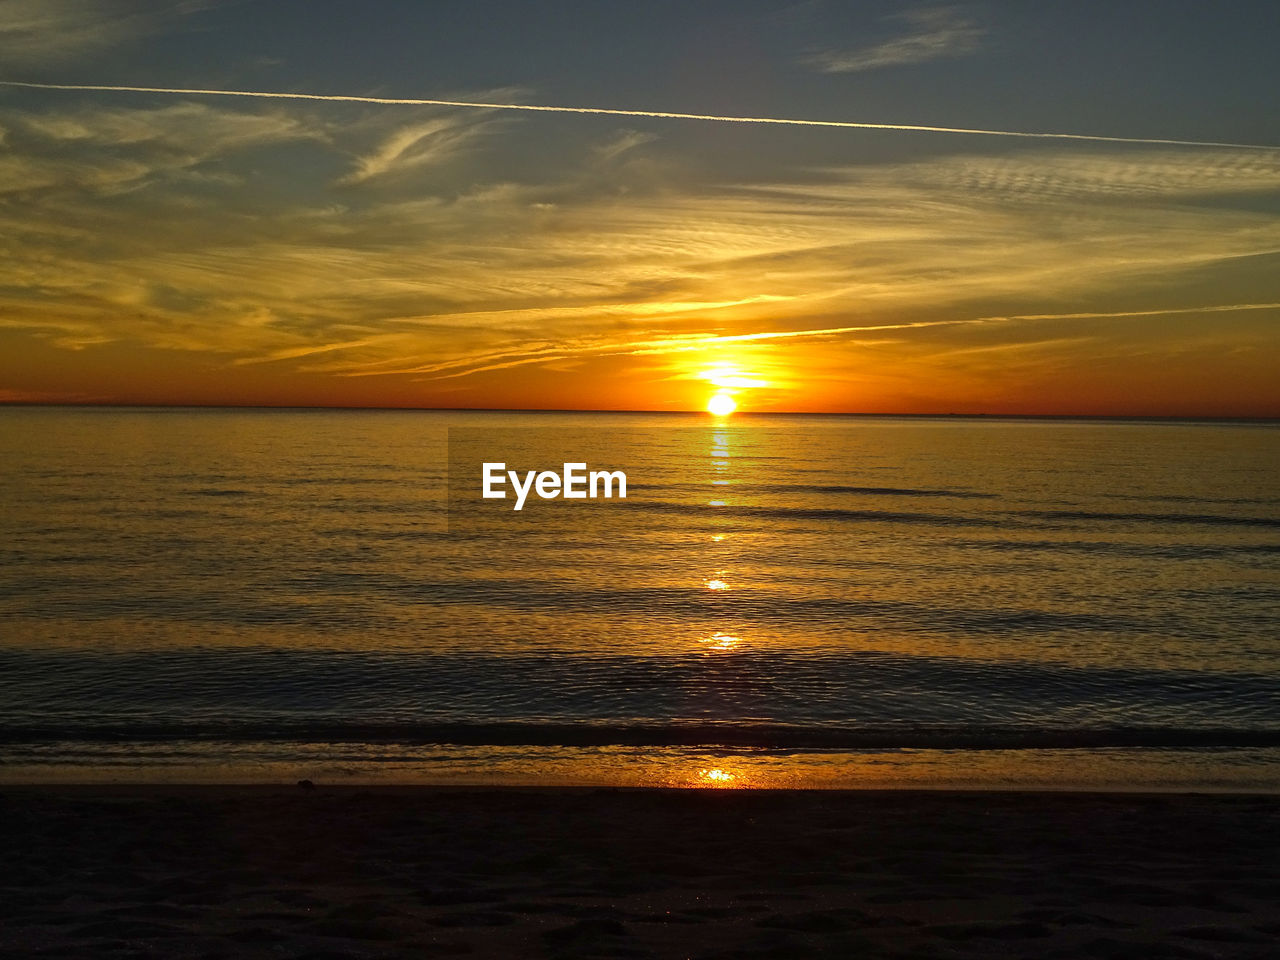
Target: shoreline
1014,797
394,871
340,789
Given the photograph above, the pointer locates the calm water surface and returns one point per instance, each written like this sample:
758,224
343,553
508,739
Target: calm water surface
202,594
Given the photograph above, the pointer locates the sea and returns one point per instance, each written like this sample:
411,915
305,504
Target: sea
253,595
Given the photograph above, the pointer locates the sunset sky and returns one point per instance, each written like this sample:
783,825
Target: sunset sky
179,247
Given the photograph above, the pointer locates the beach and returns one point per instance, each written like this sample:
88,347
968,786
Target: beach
320,871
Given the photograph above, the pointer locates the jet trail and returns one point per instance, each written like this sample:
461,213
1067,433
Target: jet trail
658,114
501,360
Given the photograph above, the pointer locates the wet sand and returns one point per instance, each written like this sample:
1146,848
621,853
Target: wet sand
406,872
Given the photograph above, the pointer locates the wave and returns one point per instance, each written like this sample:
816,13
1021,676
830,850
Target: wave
763,735
1212,519
745,511
1001,519
194,690
826,488
339,600
1170,551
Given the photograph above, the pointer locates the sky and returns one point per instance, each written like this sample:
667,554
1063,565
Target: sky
170,246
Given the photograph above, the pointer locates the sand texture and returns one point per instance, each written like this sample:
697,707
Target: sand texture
417,872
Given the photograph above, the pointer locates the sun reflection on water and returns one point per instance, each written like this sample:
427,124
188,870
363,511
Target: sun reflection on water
716,777
722,641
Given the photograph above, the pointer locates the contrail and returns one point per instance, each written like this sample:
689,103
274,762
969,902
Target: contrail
501,360
658,114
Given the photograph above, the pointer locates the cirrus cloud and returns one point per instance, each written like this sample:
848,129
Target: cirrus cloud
933,33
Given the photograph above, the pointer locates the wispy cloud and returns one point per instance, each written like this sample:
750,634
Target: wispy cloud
115,150
1100,177
40,32
342,246
624,142
931,34
413,147
354,291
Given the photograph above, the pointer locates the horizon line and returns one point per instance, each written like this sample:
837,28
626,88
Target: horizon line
691,412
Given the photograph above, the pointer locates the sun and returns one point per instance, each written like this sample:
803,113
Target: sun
721,405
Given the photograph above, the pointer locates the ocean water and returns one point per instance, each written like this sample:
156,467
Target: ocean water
779,600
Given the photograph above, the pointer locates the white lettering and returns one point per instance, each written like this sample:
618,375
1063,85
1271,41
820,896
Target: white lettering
574,483
521,491
493,473
548,485
609,477
575,473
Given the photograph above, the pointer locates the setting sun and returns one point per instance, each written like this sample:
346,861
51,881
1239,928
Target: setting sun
721,405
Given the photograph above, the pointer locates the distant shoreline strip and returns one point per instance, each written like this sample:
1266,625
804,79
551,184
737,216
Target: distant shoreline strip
655,114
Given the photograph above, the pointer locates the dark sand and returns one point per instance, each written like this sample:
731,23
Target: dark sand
419,872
